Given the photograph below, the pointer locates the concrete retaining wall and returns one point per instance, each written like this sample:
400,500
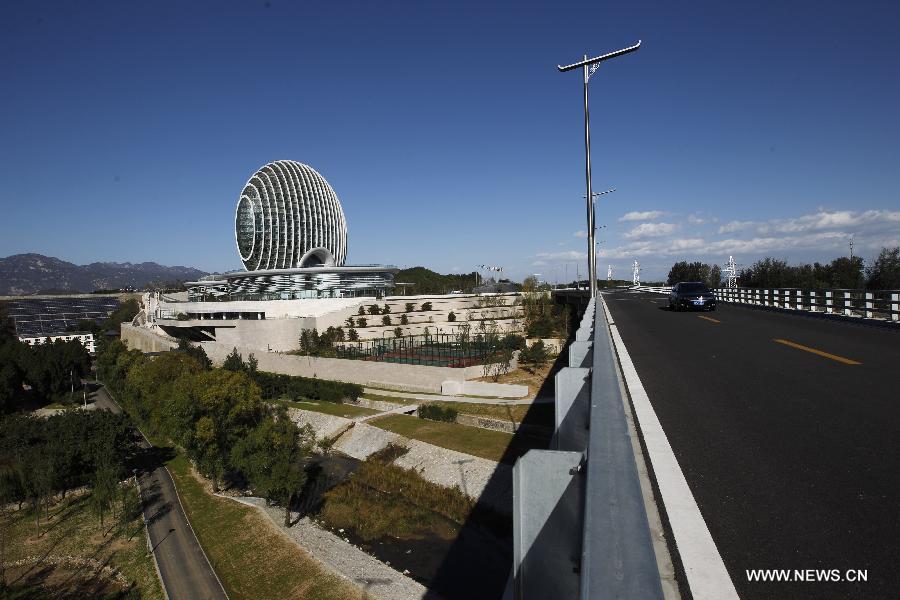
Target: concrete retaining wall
412,378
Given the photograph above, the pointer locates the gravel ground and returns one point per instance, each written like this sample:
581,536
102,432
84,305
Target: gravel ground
343,558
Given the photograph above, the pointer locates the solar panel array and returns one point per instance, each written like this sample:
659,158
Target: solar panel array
45,316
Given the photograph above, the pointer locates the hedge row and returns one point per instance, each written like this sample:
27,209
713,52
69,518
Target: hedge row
276,385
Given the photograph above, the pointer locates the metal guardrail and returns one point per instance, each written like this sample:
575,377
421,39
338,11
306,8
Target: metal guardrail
884,304
580,525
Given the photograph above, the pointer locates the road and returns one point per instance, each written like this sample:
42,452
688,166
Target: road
185,571
786,428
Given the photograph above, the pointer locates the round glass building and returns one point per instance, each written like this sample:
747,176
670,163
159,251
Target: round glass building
289,217
291,235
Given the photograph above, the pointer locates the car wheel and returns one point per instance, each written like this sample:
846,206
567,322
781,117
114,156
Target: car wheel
712,308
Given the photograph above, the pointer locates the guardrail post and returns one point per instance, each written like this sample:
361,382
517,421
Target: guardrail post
548,493
829,302
581,354
870,304
895,304
573,405
848,304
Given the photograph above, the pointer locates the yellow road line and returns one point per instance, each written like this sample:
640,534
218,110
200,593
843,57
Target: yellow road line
840,359
708,319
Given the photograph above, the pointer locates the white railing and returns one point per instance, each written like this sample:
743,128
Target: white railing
876,304
652,290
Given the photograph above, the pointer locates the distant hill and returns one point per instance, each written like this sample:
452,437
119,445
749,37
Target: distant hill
23,274
427,281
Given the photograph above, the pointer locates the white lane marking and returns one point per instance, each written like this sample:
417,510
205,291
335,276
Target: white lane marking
706,573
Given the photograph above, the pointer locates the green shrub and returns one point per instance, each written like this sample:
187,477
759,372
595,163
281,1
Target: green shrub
374,310
513,341
426,306
362,310
362,322
386,310
404,320
276,385
536,356
352,335
434,412
410,306
451,316
398,332
386,320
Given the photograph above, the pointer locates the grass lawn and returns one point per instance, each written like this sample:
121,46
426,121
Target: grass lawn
492,445
251,557
538,413
331,408
394,399
74,532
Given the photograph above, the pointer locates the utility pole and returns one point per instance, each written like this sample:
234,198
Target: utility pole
589,66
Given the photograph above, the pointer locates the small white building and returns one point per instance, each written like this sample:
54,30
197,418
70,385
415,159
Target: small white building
86,339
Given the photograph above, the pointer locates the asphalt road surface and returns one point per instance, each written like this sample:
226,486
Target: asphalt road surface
786,428
185,571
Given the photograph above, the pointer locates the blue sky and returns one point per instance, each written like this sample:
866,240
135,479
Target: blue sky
769,128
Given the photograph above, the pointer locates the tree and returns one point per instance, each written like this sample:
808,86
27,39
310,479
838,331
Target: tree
234,361
104,489
386,310
362,322
374,309
884,273
404,320
848,273
195,352
715,277
426,306
349,322
212,411
410,306
451,316
398,332
353,335
252,365
685,271
386,320
270,457
536,356
362,310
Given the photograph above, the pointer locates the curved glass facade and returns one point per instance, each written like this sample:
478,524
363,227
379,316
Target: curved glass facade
285,211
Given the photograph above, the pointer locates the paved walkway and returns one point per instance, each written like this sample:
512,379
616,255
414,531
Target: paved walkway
181,562
439,398
342,557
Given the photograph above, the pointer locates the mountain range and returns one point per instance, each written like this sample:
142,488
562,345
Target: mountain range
24,274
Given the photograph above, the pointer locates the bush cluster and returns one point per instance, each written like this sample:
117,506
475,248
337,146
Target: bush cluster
435,412
277,385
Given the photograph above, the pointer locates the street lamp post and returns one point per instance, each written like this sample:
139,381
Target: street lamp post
589,66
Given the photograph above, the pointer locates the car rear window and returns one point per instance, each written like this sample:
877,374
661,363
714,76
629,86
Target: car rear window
691,288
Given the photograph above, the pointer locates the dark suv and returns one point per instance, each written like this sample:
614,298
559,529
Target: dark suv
691,295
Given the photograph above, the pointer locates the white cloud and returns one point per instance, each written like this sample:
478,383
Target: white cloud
824,219
645,230
647,215
733,226
580,234
564,255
